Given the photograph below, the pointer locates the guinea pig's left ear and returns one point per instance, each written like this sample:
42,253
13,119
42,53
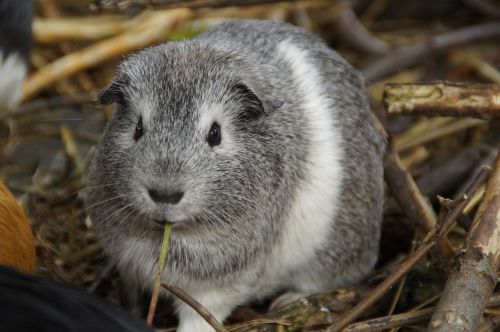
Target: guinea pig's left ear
253,105
113,93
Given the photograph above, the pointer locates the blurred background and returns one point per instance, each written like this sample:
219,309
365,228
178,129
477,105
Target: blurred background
47,136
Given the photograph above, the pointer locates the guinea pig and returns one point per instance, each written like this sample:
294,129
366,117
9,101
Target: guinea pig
15,46
256,140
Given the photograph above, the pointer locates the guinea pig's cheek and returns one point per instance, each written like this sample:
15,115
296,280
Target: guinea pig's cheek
125,140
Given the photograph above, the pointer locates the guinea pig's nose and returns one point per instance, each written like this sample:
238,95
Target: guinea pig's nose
165,196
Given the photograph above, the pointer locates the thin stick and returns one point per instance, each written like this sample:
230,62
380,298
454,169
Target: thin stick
197,306
152,30
452,127
51,103
350,29
55,30
71,149
159,271
427,244
408,196
401,284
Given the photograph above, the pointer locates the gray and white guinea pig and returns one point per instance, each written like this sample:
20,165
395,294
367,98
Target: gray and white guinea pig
257,142
15,46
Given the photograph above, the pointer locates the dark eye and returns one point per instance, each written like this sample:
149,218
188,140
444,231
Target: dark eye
139,130
214,135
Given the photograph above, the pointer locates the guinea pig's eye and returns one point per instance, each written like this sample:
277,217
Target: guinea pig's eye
139,130
214,135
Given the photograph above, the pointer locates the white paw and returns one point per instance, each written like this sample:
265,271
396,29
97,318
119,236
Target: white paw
194,325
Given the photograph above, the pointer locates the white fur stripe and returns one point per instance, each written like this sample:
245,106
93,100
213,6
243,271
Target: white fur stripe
317,198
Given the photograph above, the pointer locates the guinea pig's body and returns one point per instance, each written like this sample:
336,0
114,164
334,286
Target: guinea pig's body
256,140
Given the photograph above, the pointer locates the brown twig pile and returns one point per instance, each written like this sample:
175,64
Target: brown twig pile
440,252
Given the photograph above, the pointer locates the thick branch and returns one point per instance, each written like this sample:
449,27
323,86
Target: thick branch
473,277
444,99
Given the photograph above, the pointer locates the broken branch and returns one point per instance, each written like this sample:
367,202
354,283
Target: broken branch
473,276
443,99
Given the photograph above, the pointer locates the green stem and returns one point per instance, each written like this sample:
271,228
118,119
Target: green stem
159,271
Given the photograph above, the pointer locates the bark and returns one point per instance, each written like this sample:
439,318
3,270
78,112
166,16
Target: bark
443,99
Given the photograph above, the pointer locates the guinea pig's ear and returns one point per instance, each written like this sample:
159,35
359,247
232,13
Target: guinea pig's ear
253,105
113,93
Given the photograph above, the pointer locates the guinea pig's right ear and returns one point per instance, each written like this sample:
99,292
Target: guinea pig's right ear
113,93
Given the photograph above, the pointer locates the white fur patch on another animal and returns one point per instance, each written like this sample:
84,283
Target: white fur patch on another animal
12,72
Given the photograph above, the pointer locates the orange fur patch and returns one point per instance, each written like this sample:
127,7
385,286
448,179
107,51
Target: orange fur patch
17,247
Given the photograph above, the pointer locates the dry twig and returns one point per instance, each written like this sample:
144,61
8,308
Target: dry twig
140,4
197,306
412,54
473,60
443,99
406,192
404,319
49,9
353,32
54,30
473,276
152,30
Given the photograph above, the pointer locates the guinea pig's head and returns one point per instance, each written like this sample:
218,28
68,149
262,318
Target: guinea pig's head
188,141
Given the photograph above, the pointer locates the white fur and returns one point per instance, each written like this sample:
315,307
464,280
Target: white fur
12,72
316,200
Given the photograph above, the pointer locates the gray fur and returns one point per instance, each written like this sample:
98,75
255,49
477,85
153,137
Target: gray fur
238,195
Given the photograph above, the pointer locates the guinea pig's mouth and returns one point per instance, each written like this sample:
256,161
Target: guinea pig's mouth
163,222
